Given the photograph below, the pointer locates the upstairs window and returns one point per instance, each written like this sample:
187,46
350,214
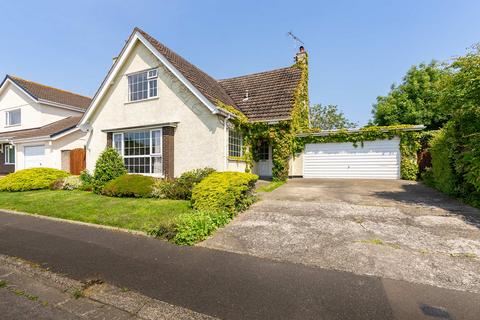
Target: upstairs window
142,85
235,143
13,117
9,154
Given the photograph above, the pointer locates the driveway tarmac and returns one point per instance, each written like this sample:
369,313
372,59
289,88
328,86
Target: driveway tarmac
387,228
219,283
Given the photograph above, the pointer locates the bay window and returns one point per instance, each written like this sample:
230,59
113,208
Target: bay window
141,150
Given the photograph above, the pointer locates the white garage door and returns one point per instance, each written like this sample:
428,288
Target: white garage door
378,159
34,156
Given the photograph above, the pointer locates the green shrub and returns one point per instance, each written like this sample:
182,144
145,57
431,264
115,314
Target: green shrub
191,228
224,191
87,181
31,179
68,183
108,167
129,185
181,188
427,177
164,189
187,181
442,162
217,198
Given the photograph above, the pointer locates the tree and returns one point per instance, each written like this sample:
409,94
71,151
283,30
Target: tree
456,151
416,99
328,118
108,167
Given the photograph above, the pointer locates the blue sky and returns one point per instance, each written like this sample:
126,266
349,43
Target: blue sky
357,49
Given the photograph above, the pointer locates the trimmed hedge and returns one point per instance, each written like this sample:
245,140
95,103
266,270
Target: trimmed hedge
218,198
442,174
180,188
224,191
129,185
108,167
31,179
455,153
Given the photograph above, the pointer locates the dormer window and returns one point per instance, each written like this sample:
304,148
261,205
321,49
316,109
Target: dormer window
13,117
142,85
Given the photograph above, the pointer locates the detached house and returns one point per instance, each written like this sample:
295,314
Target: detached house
38,126
166,116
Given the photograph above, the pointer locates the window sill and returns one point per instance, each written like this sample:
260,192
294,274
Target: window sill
12,125
242,159
143,100
153,175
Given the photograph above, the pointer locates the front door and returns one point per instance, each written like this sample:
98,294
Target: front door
264,164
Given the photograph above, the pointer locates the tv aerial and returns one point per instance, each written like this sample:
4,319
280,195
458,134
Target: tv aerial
295,38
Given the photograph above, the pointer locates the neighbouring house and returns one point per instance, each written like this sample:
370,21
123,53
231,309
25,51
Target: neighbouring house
165,116
38,127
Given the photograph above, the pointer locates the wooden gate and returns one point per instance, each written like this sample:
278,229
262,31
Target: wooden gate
77,160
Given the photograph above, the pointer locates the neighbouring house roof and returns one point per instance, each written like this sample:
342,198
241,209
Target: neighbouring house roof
50,94
270,93
48,131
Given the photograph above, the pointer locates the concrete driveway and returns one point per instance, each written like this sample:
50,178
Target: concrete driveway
391,229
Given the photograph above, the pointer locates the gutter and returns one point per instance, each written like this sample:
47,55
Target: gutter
148,126
225,142
60,105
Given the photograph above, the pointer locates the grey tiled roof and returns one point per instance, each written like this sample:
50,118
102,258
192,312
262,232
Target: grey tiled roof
270,93
40,91
49,130
208,86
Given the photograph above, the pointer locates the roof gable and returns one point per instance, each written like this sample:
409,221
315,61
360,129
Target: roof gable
271,93
208,86
171,63
47,94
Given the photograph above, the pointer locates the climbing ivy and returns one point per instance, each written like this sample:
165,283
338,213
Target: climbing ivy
409,143
280,135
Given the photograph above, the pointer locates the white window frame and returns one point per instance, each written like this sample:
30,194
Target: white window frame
149,78
151,155
7,117
7,149
230,131
121,152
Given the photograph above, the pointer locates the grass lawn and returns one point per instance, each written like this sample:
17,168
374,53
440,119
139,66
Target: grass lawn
128,213
271,186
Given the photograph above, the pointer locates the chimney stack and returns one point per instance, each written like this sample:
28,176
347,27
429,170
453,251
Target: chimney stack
301,56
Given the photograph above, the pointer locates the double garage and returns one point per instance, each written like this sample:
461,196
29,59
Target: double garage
378,159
